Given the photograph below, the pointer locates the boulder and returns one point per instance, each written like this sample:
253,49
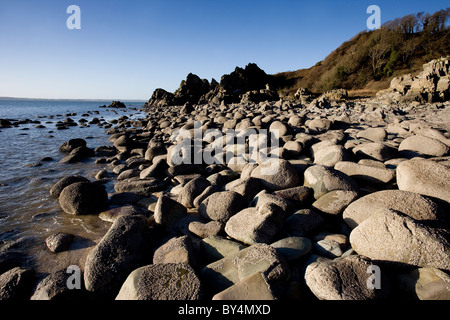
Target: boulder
121,199
140,187
425,284
69,146
204,230
254,287
221,206
128,174
328,248
391,236
83,198
78,154
4,123
323,180
54,287
64,182
425,177
112,214
160,97
154,151
170,281
177,250
298,196
215,248
59,241
422,146
319,125
279,129
124,143
205,194
293,148
246,187
168,212
264,198
334,202
262,258
412,204
16,284
191,190
344,279
123,248
293,248
276,174
303,223
366,174
117,104
253,225
373,134
375,150
330,155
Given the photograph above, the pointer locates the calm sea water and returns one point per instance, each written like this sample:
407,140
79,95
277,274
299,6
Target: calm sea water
28,214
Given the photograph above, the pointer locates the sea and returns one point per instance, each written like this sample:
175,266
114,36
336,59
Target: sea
28,213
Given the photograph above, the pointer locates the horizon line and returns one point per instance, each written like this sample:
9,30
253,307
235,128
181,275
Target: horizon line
73,99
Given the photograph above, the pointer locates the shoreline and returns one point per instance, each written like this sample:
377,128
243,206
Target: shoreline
177,211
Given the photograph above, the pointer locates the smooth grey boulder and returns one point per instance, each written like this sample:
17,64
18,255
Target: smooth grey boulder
254,225
177,250
366,174
423,146
83,198
140,187
303,223
276,174
391,236
344,279
54,287
59,241
324,179
375,150
334,202
221,206
168,212
425,177
64,182
414,205
124,248
263,258
170,281
16,284
192,190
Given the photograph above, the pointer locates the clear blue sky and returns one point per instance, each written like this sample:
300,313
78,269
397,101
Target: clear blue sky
126,49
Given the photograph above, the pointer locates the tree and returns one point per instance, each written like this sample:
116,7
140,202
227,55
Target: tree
379,47
409,25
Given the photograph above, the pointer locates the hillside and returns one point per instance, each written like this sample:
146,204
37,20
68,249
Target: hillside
368,62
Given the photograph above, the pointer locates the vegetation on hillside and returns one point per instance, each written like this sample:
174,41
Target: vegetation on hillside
371,59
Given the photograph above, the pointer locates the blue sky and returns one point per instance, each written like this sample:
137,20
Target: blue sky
126,49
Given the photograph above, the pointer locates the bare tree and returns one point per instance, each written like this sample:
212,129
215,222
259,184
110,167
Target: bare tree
378,49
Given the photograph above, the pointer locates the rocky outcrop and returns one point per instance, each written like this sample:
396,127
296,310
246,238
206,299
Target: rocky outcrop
246,85
160,98
431,85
